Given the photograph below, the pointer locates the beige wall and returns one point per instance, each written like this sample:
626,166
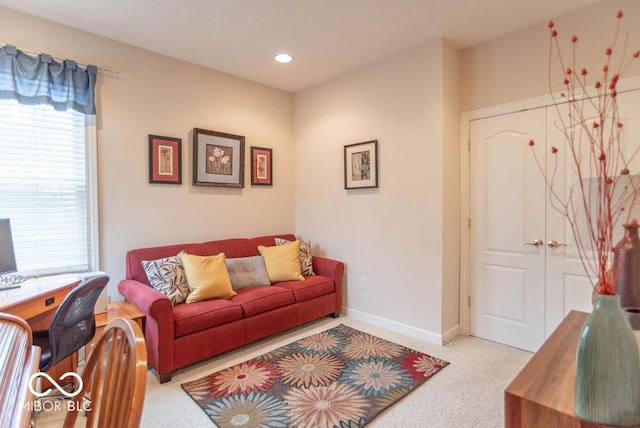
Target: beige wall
392,235
154,94
515,67
451,186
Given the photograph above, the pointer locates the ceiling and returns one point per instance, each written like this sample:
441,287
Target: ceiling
326,37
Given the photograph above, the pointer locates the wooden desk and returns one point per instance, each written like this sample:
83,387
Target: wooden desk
35,302
38,297
543,393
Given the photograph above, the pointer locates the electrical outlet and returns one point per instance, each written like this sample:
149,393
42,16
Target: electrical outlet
363,283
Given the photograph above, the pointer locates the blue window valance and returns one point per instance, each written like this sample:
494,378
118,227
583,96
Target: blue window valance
42,80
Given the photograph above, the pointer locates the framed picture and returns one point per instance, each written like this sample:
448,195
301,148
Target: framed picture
218,159
165,160
261,164
361,165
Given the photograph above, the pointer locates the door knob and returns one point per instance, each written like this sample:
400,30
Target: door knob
555,244
536,243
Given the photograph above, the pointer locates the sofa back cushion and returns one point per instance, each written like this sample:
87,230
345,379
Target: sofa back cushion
270,240
236,247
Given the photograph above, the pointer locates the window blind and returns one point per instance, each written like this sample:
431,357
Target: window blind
45,188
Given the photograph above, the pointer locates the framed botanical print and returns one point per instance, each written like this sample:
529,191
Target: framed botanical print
165,160
261,166
361,165
218,159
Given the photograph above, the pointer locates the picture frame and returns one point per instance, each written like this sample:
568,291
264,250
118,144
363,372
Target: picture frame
165,160
361,165
261,166
218,159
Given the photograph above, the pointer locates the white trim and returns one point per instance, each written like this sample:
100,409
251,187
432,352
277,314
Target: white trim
91,144
398,327
625,85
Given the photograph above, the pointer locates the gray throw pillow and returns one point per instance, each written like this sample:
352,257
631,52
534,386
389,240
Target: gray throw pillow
247,272
167,276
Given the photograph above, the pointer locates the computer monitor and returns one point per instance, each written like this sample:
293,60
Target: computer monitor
7,254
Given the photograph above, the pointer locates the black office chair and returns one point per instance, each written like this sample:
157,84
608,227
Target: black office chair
73,324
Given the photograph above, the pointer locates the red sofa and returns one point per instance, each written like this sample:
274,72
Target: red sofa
183,334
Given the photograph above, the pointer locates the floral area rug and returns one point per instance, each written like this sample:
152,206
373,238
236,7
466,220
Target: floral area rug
341,377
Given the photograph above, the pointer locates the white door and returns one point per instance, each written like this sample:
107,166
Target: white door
520,293
567,286
507,250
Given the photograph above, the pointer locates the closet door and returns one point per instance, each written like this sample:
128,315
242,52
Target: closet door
507,234
521,292
567,286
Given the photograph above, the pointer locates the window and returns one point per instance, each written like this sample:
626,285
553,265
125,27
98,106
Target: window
48,187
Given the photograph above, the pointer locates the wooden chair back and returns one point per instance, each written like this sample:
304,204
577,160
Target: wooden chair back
19,359
114,379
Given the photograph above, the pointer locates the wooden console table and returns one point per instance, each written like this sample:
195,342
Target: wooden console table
543,393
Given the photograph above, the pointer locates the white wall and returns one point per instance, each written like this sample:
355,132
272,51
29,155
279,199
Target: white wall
392,235
154,94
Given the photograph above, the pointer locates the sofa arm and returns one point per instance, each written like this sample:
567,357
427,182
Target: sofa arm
334,270
159,331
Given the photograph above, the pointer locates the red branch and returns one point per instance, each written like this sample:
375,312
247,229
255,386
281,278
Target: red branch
589,120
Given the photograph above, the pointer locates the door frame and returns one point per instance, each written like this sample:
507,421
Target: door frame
624,85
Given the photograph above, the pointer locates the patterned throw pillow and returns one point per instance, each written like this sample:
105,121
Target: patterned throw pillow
247,272
167,276
306,266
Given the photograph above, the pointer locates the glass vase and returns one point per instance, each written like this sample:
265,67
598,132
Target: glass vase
608,367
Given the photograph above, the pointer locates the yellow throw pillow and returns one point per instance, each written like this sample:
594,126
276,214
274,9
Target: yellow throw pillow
207,277
282,262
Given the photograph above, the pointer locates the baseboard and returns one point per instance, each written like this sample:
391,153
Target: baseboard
450,334
398,327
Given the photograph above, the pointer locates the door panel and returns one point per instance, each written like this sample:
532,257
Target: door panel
506,190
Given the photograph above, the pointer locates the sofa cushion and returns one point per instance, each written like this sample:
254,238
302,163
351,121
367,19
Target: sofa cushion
247,272
306,259
282,262
311,287
167,276
256,300
207,277
204,315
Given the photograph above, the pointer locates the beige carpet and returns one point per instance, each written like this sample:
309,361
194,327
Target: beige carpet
469,393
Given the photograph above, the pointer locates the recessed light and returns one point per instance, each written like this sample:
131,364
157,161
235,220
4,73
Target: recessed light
283,58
